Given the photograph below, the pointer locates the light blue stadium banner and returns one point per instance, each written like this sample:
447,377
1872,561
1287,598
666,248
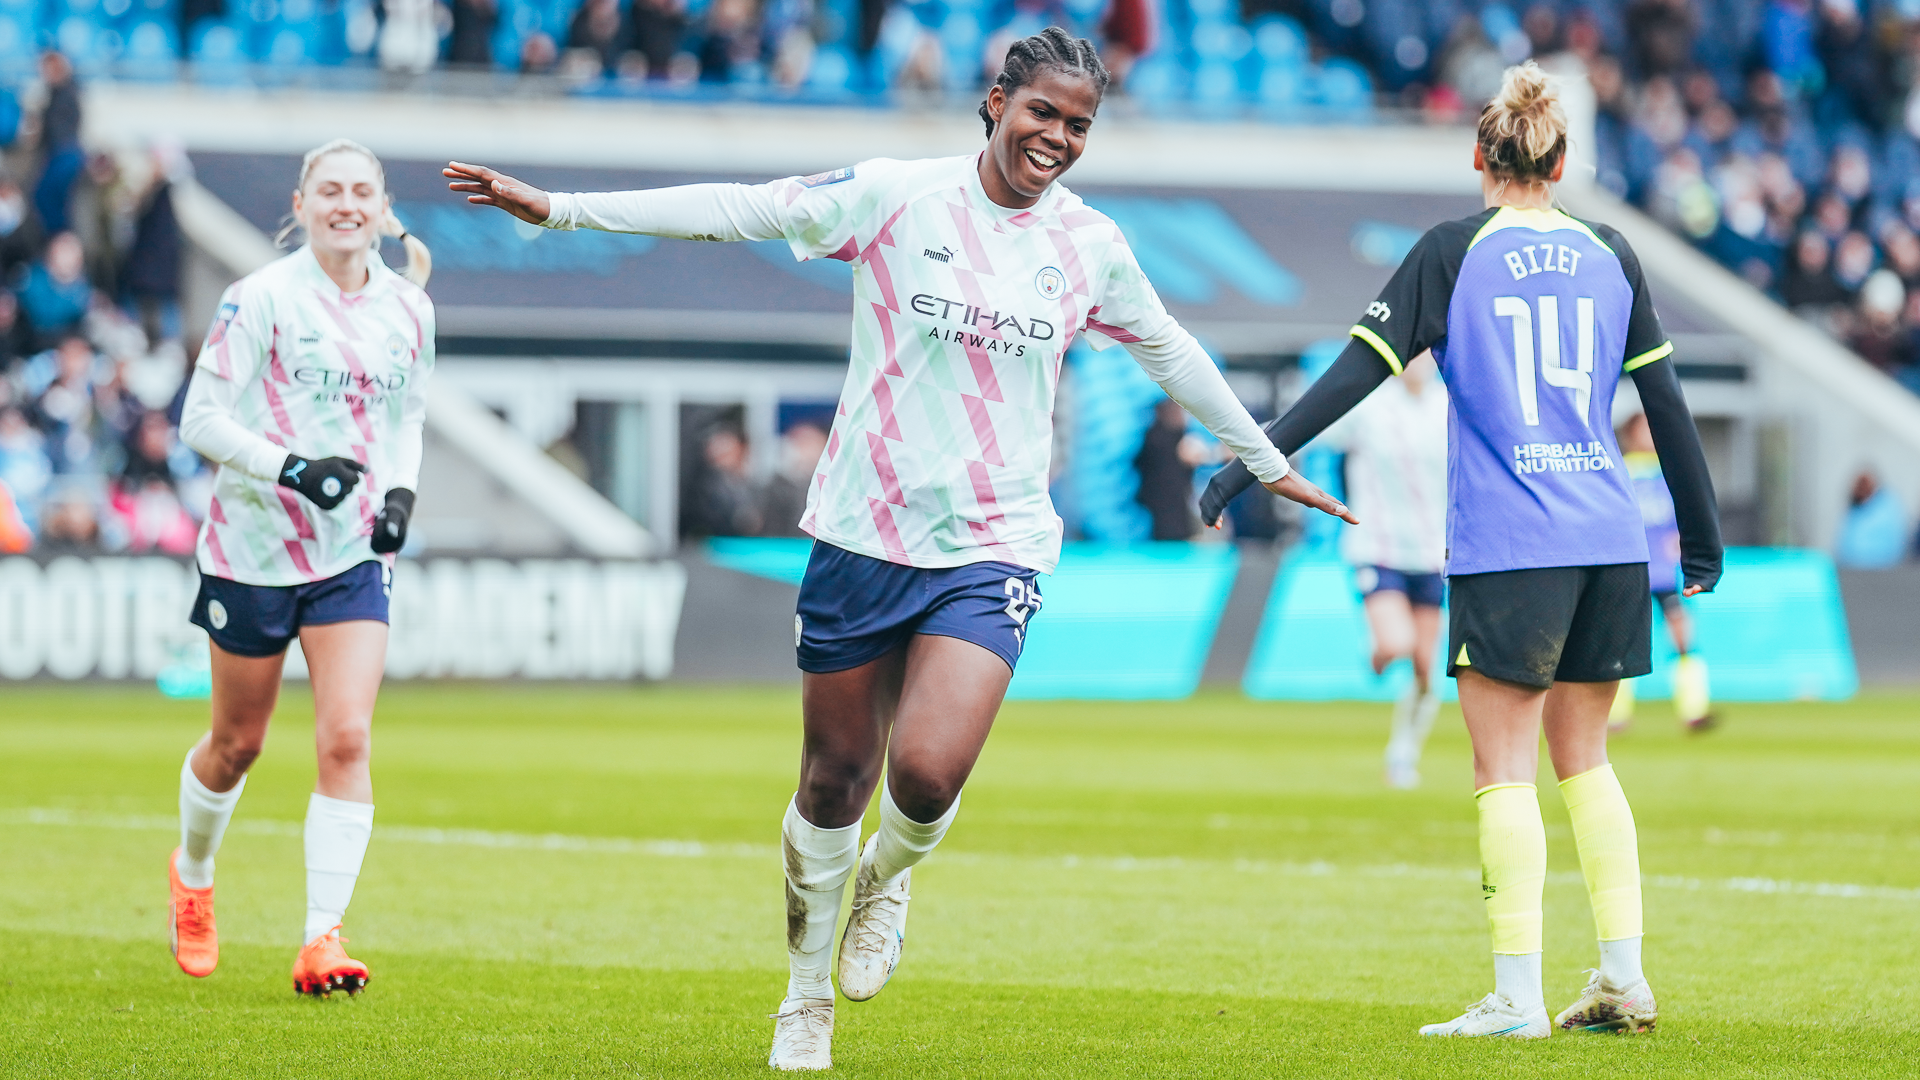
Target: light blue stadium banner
1128,621
777,557
1313,643
1775,630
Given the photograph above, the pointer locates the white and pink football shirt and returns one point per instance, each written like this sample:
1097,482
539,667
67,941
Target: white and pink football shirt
294,365
941,448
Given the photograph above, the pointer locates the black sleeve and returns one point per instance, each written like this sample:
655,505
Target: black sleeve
1684,465
1347,383
1646,339
1410,315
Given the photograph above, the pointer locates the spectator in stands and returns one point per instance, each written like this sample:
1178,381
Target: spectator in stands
151,274
409,39
723,500
471,42
82,413
70,520
658,27
1876,334
21,234
59,141
1167,458
1130,30
1810,282
1875,533
785,499
538,53
598,36
98,211
24,466
149,508
192,12
730,39
15,536
11,329
788,28
1662,35
55,293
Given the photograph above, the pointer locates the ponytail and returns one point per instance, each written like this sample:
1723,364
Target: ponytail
1523,131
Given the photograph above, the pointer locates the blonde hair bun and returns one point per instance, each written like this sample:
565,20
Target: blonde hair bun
1523,130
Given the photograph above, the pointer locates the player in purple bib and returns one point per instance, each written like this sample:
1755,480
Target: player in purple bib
1692,698
1534,316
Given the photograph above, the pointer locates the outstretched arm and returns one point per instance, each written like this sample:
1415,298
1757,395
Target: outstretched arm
1185,371
1347,383
690,212
1684,464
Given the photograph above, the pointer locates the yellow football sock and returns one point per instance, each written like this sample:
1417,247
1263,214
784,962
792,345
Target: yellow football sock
1513,864
1609,850
1622,709
1692,698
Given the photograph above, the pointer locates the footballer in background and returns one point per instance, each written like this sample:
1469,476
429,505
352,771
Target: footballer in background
1692,698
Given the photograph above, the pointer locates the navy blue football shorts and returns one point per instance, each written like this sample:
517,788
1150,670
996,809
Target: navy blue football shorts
259,620
1425,590
855,609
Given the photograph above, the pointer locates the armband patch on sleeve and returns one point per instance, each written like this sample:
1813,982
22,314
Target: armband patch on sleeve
826,178
221,320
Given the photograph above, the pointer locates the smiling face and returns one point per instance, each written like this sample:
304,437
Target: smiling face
342,203
1040,130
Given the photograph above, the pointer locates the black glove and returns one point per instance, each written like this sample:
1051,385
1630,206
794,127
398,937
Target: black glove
390,524
325,481
1226,484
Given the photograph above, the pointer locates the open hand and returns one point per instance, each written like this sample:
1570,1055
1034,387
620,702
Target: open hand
485,187
1303,491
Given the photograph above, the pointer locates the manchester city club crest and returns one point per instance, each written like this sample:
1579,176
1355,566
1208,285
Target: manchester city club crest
1051,282
396,348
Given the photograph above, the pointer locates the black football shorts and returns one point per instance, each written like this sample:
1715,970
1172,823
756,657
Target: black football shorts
1554,624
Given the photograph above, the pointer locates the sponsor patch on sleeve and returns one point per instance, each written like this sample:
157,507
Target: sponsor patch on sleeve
826,178
221,320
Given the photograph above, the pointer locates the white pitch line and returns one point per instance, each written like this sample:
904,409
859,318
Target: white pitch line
695,849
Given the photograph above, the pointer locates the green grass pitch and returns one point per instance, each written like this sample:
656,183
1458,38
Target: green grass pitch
1205,888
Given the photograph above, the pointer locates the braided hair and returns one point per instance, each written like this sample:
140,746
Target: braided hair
1051,49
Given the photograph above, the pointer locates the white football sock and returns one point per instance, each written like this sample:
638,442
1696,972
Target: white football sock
904,841
1516,977
204,814
818,863
1424,715
337,835
1413,717
1402,751
1620,962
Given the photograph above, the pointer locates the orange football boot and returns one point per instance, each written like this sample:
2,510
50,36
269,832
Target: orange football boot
323,966
196,945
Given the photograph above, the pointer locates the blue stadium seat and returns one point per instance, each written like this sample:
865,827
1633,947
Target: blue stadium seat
152,51
16,43
832,71
91,46
1345,87
219,52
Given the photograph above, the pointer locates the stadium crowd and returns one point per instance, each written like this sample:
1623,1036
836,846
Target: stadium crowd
92,367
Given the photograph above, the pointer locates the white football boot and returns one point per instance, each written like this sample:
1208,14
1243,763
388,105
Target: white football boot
876,930
1495,1017
1602,1008
803,1036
